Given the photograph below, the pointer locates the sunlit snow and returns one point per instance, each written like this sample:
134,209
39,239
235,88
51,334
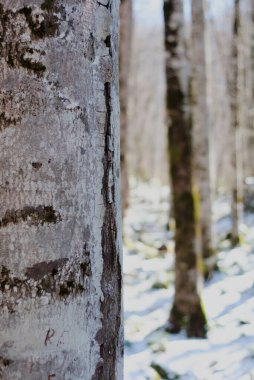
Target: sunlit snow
228,353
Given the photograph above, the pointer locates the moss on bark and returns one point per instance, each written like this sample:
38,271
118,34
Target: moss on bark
193,321
197,322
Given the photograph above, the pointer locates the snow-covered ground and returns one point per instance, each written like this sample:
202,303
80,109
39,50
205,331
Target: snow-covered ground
150,352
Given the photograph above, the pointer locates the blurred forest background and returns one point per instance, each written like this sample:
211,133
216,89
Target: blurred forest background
147,136
224,276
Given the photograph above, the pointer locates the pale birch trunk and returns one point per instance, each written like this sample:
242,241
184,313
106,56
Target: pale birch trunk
60,236
201,145
187,310
237,161
125,48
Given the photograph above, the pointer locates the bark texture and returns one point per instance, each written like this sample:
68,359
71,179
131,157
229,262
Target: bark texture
125,48
252,54
187,310
201,146
60,236
237,160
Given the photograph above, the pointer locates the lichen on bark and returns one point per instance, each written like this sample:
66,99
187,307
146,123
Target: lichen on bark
60,279
15,26
32,215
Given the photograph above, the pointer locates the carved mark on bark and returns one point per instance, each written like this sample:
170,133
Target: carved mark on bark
49,335
105,4
38,215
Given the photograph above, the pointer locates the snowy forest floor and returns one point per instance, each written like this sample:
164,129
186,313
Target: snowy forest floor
150,352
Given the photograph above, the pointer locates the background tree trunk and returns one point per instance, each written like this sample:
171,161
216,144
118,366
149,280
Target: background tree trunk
201,145
125,60
237,162
186,305
60,236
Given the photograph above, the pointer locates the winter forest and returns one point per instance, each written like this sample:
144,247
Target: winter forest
127,189
190,114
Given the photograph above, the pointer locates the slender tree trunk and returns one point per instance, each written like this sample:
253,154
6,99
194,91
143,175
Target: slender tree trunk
201,145
125,47
60,236
247,97
237,162
187,305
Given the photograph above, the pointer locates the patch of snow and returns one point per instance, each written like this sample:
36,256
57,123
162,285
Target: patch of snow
228,352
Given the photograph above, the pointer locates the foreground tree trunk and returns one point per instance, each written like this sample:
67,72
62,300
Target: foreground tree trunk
252,56
237,161
201,146
125,47
187,305
60,268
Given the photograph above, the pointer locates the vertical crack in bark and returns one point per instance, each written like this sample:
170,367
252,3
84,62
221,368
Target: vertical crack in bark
108,335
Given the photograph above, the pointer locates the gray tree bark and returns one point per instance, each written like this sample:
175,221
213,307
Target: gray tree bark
125,48
201,144
252,61
187,309
237,160
60,235
252,46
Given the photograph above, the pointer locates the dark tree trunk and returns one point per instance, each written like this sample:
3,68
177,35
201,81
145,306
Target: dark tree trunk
187,305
